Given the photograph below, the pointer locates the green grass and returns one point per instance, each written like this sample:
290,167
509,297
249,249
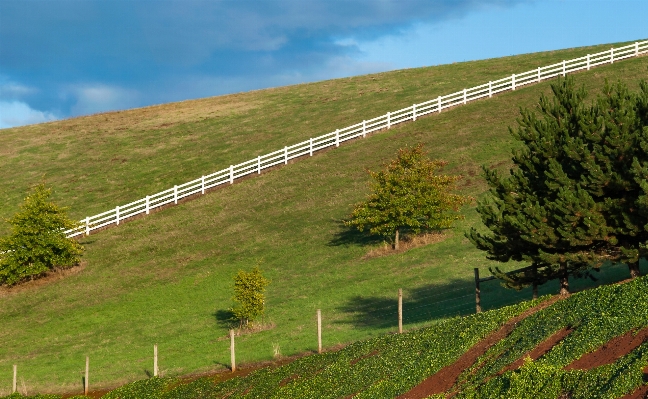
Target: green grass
167,278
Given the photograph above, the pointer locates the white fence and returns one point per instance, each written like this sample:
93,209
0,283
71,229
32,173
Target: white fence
310,146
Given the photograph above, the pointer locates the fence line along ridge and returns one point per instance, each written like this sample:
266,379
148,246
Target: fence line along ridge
310,146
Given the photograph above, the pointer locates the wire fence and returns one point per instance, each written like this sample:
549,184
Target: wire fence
334,139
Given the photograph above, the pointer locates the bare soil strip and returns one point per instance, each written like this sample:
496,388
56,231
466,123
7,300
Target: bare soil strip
611,351
445,378
539,350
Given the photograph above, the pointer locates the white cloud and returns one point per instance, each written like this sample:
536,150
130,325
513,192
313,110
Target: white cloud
94,98
13,90
17,113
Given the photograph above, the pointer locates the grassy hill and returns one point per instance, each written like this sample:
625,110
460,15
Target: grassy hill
167,278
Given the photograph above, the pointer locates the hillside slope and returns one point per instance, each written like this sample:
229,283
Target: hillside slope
167,279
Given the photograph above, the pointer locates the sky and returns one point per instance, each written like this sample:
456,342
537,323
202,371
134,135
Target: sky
66,58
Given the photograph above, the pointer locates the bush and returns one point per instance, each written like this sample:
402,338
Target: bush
249,288
37,243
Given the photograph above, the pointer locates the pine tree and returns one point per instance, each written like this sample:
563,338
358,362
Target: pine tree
37,243
408,196
553,210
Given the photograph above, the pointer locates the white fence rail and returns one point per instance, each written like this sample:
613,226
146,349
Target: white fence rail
308,147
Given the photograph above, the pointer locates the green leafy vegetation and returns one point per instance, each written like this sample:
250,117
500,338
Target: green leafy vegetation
37,243
165,278
249,288
408,196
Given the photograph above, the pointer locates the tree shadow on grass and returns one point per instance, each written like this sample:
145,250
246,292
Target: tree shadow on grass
225,319
346,235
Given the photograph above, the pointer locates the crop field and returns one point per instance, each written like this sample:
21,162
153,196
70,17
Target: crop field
167,279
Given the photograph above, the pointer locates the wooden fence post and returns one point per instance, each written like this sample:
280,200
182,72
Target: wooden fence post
231,174
87,225
588,62
319,331
259,165
414,112
148,206
117,214
87,376
563,71
388,120
464,96
337,137
364,128
513,82
155,361
15,379
538,74
310,146
612,55
286,155
202,185
490,89
439,104
175,195
477,293
400,310
232,352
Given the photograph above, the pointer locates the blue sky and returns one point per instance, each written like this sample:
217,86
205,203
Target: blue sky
65,58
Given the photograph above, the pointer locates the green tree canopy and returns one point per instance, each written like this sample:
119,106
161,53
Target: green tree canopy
249,289
37,243
408,196
571,201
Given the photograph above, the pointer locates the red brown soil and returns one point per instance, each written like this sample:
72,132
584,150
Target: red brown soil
611,351
370,354
445,378
639,393
539,350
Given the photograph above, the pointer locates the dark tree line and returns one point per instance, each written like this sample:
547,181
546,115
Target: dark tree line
577,195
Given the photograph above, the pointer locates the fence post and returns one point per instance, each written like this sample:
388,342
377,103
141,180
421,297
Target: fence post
337,137
464,96
563,71
388,120
87,375
155,361
477,293
148,206
636,49
611,55
117,214
175,195
513,82
259,165
319,331
286,155
231,174
87,223
364,128
15,378
439,105
414,112
310,146
538,74
588,62
535,283
202,184
400,310
490,89
232,354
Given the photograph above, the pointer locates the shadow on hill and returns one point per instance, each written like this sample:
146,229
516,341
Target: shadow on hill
351,236
225,319
433,301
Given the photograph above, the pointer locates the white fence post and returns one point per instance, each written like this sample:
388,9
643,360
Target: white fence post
175,194
259,165
337,137
439,104
490,89
202,184
364,128
414,112
310,146
513,82
538,74
388,121
563,72
148,206
117,214
588,62
636,49
87,225
611,55
286,155
15,378
464,96
231,174
155,361
319,331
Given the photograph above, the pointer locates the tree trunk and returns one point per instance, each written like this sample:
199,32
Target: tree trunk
634,270
396,241
564,280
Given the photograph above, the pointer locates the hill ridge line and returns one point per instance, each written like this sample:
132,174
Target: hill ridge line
172,195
